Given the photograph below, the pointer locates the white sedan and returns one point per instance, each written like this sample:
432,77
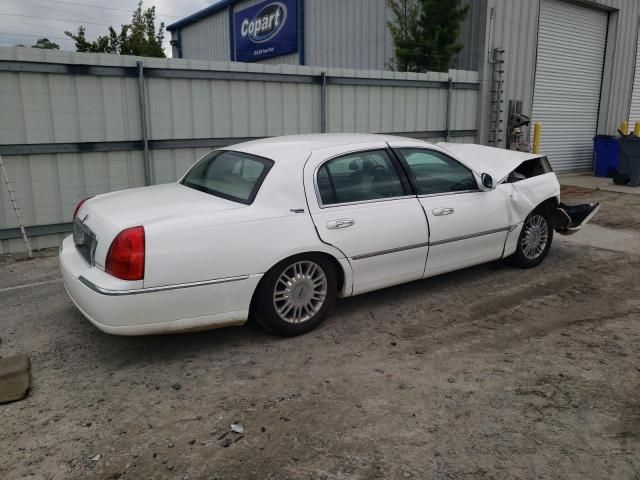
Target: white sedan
279,228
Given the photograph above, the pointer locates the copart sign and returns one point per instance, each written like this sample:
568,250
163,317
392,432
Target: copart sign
268,29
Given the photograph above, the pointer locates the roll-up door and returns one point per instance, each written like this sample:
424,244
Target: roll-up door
566,99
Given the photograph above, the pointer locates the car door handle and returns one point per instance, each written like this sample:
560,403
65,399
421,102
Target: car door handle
340,223
442,211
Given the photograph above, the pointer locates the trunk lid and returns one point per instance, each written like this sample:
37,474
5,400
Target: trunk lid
107,215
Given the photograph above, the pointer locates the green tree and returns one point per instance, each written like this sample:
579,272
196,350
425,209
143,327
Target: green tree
46,44
137,38
425,34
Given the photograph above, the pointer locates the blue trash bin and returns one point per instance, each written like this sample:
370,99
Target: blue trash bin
607,154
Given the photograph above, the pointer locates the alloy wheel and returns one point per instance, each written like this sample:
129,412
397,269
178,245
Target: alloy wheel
535,237
300,291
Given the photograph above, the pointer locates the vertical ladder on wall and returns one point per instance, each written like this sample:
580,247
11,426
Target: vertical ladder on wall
12,198
496,107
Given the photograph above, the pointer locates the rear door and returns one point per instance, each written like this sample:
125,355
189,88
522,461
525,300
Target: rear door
467,226
361,202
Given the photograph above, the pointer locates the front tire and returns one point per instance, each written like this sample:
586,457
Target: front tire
534,241
297,294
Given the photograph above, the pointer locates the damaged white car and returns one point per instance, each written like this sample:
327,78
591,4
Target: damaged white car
279,228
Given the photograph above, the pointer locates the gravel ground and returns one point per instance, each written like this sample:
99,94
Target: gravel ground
491,372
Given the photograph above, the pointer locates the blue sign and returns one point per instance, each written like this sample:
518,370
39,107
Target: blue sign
266,30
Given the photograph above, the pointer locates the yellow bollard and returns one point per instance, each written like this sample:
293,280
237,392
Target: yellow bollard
537,133
624,128
636,129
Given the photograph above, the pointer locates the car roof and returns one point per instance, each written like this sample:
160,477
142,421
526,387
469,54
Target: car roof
286,147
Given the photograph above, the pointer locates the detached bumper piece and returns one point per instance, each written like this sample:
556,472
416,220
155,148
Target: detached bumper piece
569,219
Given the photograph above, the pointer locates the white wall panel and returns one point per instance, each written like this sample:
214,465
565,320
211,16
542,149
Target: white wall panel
47,187
59,108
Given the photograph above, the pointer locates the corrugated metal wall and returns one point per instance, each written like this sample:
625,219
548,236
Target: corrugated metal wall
40,108
207,39
634,111
471,35
399,109
618,75
348,34
338,33
515,29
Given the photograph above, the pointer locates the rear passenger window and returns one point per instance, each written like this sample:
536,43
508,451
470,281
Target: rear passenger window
359,177
438,173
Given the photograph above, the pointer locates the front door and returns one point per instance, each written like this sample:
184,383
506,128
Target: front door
362,204
467,226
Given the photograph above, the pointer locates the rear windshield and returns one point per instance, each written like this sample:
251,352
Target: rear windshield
232,175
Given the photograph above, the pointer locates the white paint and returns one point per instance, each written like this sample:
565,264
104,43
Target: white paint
401,219
29,285
497,162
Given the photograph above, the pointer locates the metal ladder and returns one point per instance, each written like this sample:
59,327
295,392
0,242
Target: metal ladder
15,206
497,90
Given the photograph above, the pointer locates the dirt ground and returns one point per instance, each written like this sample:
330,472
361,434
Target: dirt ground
491,372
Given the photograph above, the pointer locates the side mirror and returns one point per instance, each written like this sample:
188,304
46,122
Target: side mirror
487,181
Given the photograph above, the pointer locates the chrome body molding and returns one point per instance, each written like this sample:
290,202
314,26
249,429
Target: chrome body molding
391,250
472,235
163,288
433,244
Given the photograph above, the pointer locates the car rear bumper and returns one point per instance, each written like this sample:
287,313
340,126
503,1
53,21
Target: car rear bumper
139,311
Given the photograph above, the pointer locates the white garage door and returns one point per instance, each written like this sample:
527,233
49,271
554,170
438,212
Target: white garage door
571,46
634,114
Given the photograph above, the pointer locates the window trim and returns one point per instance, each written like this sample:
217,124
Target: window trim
268,165
400,172
414,180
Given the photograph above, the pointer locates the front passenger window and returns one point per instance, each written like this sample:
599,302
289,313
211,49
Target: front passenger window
359,177
437,173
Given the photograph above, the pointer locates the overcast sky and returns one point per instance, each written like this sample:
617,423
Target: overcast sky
24,21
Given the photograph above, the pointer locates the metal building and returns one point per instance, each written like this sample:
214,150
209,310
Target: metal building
568,64
328,33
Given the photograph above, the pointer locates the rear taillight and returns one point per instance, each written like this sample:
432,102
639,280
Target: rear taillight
125,259
77,209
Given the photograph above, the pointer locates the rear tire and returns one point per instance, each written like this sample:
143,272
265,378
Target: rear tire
296,295
534,241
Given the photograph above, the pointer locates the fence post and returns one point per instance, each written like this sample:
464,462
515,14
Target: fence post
323,102
449,100
143,123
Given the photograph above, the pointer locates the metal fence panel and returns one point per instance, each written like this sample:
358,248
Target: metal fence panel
70,122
